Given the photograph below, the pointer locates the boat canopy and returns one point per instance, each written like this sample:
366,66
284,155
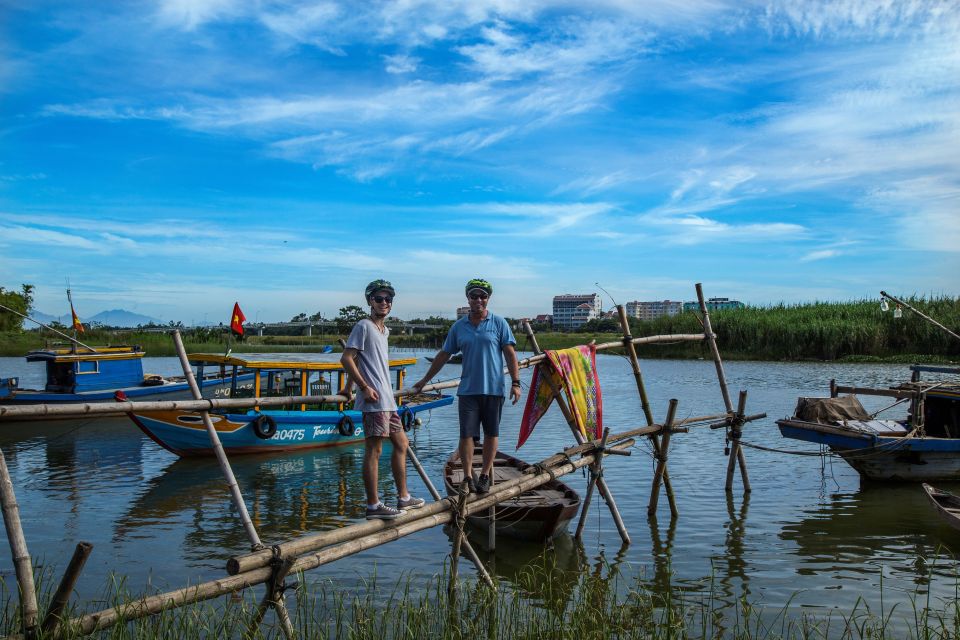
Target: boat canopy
274,362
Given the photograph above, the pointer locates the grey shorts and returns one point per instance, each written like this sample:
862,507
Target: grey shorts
381,424
477,411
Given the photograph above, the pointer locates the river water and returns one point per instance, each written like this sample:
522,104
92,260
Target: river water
809,537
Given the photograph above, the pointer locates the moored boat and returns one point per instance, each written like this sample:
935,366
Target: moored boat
97,374
538,514
924,446
301,426
946,504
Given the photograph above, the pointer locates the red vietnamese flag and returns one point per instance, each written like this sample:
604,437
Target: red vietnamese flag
237,320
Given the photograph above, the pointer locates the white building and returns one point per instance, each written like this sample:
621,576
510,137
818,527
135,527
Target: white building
653,309
570,311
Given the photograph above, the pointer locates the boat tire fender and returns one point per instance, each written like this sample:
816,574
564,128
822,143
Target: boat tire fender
345,426
407,421
264,426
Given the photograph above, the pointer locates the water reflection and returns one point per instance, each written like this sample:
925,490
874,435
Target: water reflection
855,535
287,495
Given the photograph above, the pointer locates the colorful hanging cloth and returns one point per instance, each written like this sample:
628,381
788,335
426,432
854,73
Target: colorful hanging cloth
573,370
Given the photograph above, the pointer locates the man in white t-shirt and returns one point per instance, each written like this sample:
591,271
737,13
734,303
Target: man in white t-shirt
365,360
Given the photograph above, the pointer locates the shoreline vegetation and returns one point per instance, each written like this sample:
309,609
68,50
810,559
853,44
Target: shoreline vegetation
540,602
823,331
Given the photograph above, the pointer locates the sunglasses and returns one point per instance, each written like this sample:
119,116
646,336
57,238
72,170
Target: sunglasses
478,296
378,299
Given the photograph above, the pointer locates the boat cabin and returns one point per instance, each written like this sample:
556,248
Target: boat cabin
72,370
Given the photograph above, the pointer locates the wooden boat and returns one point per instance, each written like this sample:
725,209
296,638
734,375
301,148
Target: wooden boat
925,446
538,514
947,505
299,427
97,374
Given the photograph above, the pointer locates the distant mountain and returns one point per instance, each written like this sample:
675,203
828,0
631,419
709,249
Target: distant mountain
121,318
112,318
45,318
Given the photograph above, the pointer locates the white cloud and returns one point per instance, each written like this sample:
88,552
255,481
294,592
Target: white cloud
821,254
401,63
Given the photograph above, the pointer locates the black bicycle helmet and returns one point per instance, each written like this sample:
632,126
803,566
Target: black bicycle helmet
378,285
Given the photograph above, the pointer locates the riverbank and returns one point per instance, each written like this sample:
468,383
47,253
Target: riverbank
824,332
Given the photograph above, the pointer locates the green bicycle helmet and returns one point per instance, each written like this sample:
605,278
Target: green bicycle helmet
479,283
378,285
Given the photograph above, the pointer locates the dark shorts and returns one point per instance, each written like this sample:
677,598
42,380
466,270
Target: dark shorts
381,424
477,411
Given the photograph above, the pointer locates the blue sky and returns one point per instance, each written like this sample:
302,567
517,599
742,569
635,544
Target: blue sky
173,156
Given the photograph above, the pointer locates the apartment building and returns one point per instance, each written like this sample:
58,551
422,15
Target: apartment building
653,309
714,304
570,311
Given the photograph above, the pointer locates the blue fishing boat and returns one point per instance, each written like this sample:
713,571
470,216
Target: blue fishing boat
259,430
98,374
925,446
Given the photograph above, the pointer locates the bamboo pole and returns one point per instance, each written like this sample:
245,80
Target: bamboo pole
62,596
572,423
467,547
60,333
919,313
270,598
661,457
304,544
217,447
460,523
18,549
595,471
273,597
736,453
736,431
403,526
655,441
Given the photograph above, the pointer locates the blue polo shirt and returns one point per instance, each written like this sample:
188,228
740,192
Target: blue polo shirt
482,349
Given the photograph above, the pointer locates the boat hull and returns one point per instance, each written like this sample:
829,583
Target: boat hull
184,432
883,458
946,504
536,515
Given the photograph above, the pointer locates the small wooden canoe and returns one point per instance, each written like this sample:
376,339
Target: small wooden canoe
947,504
538,514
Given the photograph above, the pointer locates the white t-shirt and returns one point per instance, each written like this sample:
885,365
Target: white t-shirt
371,346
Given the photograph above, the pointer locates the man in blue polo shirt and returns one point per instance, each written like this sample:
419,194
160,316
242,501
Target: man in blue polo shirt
485,340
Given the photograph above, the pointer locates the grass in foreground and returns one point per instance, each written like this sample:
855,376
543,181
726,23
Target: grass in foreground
535,604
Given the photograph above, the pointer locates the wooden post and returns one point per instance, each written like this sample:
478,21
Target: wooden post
661,457
572,423
595,470
18,549
273,597
62,596
655,441
736,430
459,535
467,547
736,454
